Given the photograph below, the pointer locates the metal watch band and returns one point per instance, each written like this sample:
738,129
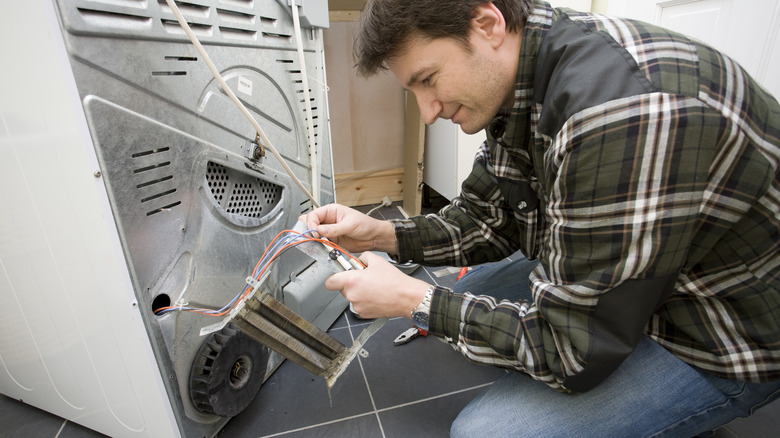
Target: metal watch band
421,313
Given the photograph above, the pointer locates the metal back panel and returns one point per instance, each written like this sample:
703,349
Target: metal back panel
192,211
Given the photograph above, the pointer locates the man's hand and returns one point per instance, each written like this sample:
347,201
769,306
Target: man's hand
380,290
352,230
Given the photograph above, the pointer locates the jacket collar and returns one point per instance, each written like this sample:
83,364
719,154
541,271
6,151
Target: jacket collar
513,128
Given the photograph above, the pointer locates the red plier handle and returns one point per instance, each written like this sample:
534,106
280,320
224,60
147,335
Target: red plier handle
408,335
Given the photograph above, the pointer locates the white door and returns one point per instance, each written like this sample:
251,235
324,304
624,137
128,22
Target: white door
746,30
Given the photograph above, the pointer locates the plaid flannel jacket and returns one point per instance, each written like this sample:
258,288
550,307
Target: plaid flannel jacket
640,168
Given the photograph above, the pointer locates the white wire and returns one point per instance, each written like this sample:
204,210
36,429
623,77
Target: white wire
234,98
315,176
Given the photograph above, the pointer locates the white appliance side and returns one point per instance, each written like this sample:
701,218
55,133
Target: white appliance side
466,153
440,157
72,341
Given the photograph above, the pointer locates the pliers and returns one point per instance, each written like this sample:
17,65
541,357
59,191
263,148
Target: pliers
408,335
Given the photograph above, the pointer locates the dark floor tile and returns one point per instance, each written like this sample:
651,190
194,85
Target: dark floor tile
423,368
439,275
363,208
365,426
18,419
422,273
73,430
293,398
764,423
391,212
340,322
430,418
724,432
442,277
356,322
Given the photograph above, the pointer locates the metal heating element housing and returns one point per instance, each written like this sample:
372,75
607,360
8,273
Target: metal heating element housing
130,182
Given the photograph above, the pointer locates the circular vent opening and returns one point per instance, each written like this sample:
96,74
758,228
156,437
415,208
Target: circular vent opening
240,194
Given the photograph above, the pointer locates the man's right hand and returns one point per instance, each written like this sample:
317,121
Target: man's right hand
352,230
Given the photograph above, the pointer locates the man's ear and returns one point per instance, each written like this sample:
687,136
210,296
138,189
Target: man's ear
488,24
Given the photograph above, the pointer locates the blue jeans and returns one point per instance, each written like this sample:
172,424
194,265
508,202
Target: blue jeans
653,393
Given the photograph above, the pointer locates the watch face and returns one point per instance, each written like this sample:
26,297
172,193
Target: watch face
420,319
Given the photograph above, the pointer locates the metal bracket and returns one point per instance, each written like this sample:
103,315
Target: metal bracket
254,150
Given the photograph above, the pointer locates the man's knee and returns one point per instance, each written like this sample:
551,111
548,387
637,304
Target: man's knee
462,427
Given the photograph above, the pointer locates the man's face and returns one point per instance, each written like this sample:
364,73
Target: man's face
451,82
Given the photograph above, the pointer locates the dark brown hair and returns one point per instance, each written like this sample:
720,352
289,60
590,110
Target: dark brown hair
387,25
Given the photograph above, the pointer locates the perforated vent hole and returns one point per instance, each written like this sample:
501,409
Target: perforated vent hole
217,178
241,194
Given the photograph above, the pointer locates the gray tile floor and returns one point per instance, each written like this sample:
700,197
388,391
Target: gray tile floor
411,390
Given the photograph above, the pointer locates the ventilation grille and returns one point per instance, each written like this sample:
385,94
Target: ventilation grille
238,21
240,194
154,180
296,78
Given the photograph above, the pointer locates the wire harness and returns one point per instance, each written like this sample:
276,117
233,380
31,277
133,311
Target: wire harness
283,241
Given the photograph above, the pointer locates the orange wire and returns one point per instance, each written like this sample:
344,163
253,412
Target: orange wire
260,274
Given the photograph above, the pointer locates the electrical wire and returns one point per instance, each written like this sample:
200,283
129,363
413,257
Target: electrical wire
283,241
215,72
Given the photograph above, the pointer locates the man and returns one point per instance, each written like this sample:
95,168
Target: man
636,168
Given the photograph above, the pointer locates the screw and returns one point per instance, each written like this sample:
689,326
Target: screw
97,174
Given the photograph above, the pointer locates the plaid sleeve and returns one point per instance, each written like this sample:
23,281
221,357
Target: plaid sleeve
476,227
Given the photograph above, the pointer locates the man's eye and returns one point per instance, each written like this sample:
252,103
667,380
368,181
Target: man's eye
427,81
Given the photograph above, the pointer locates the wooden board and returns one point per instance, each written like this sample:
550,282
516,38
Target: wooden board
346,5
366,188
414,149
343,16
360,139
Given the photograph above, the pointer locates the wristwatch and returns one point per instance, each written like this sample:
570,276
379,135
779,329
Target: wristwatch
421,313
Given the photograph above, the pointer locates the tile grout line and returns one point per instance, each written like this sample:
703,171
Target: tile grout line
61,427
313,426
431,277
363,371
368,387
423,400
378,411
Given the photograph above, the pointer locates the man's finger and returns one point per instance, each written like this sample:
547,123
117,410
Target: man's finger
336,281
367,257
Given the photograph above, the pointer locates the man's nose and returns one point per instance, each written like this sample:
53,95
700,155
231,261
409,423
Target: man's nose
430,107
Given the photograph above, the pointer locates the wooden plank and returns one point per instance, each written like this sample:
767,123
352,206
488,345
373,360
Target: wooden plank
346,5
366,188
414,147
343,16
